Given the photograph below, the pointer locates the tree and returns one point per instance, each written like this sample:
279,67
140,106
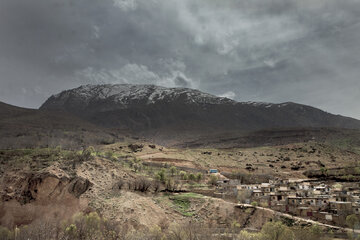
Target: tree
199,177
173,170
160,175
192,177
171,185
244,235
5,233
137,166
111,156
352,221
308,233
277,231
183,175
324,171
156,185
213,180
87,153
243,195
141,184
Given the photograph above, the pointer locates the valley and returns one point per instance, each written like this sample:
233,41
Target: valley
144,185
145,162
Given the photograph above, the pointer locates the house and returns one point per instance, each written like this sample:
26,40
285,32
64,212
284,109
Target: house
304,212
321,189
267,188
294,201
284,189
356,208
277,198
257,193
248,187
311,199
341,208
344,197
304,186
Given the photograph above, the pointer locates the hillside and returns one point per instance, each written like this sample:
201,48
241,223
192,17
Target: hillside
180,113
127,181
56,184
22,128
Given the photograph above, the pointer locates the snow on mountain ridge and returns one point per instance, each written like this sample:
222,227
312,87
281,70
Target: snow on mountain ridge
153,108
126,93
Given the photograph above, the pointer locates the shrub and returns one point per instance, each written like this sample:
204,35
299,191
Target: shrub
156,186
85,155
324,171
5,234
92,226
71,231
171,185
161,176
173,170
213,180
109,154
119,185
277,231
183,175
199,176
352,221
137,166
308,233
141,184
192,177
244,235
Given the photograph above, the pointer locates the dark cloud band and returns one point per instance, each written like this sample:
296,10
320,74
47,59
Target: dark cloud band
253,50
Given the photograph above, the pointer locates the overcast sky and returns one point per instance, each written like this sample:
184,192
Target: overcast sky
305,51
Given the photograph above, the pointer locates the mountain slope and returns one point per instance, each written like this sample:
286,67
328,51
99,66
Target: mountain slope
153,110
21,127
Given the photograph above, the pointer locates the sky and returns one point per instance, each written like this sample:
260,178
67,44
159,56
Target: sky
304,51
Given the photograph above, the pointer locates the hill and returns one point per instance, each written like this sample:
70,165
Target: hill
22,128
176,114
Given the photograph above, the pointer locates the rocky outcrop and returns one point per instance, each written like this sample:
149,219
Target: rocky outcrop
28,196
43,187
136,147
79,186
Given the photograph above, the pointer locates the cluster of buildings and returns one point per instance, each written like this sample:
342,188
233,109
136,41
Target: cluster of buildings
326,202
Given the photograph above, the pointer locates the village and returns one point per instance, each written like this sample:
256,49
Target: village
322,201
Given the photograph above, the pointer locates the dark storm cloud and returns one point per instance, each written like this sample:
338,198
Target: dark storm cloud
253,50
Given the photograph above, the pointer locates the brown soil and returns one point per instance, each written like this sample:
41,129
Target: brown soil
49,194
58,191
175,162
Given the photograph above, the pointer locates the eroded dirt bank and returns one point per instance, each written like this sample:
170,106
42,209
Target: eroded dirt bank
27,196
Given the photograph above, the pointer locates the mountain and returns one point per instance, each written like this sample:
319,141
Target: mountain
22,128
172,112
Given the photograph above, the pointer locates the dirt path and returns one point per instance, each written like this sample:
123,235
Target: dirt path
276,213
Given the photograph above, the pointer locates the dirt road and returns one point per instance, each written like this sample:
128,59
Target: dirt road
298,219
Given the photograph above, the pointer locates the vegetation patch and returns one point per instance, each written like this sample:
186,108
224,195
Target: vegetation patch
182,202
350,174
